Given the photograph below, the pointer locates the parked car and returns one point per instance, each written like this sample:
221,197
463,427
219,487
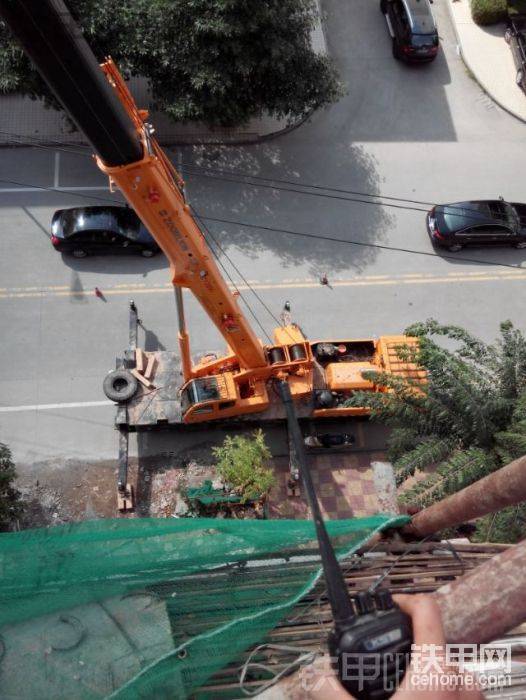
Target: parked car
515,35
412,28
83,231
483,222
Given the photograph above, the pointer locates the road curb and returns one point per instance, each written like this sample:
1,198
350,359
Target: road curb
474,72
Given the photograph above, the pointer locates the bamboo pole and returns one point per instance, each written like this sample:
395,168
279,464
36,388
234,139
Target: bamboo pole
505,487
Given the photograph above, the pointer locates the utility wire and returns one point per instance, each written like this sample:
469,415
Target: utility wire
379,246
320,190
199,172
244,279
227,273
289,232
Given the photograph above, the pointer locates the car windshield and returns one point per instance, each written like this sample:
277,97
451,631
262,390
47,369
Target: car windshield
75,220
128,224
424,40
457,216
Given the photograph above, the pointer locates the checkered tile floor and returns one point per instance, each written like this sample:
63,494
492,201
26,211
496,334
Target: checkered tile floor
344,484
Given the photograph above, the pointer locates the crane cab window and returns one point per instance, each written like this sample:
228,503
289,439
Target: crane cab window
198,390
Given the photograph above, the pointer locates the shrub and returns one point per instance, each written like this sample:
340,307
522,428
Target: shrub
486,12
241,465
10,505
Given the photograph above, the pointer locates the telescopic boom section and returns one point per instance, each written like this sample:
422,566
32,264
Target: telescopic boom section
105,112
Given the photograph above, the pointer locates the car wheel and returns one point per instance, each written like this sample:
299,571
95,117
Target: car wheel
78,253
119,385
507,36
520,245
455,248
519,77
147,253
396,50
383,7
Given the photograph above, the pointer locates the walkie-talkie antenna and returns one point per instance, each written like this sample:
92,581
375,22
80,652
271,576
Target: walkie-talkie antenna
337,593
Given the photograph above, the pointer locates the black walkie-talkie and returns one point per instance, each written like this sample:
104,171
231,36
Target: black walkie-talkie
371,639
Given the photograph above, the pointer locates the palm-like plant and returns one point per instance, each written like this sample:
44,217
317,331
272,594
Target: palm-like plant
468,419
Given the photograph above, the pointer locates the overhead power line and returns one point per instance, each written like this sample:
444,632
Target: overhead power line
355,196
262,227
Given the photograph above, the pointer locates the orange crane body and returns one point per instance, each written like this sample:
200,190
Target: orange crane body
236,383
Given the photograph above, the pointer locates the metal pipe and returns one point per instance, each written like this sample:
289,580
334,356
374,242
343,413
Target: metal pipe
488,601
505,487
183,337
53,40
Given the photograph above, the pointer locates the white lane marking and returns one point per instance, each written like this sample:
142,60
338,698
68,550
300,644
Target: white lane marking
57,170
12,190
51,406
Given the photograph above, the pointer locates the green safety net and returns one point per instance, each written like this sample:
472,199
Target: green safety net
150,608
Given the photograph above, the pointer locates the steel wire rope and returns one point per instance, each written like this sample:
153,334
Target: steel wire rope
244,279
227,273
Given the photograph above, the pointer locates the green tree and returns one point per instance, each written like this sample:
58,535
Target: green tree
10,505
241,465
217,61
467,420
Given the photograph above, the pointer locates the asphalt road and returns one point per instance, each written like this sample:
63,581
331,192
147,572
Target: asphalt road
423,133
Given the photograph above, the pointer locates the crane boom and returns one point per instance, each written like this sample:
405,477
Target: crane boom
320,375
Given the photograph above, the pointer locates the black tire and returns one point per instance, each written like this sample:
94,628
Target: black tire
79,253
520,245
383,7
396,50
148,253
519,77
507,36
119,385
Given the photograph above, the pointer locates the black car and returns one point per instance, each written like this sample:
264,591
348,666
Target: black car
85,230
483,222
412,29
515,35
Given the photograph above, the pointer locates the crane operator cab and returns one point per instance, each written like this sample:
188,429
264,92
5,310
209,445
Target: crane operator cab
219,396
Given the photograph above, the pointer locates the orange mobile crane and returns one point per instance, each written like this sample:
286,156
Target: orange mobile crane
321,375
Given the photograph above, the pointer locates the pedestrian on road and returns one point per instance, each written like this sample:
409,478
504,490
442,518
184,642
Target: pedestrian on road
285,316
324,281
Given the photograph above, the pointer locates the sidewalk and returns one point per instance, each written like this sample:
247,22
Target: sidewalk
488,57
23,120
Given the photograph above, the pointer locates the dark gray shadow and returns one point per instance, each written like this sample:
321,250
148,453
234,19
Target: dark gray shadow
151,340
216,191
37,222
77,289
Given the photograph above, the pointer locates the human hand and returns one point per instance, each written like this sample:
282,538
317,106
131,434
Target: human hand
428,633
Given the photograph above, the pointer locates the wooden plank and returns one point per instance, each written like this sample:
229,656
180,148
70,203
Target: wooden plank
142,379
151,366
140,360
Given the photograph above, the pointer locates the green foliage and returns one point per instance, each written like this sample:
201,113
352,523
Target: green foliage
486,12
241,464
218,61
461,469
466,421
508,525
10,505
